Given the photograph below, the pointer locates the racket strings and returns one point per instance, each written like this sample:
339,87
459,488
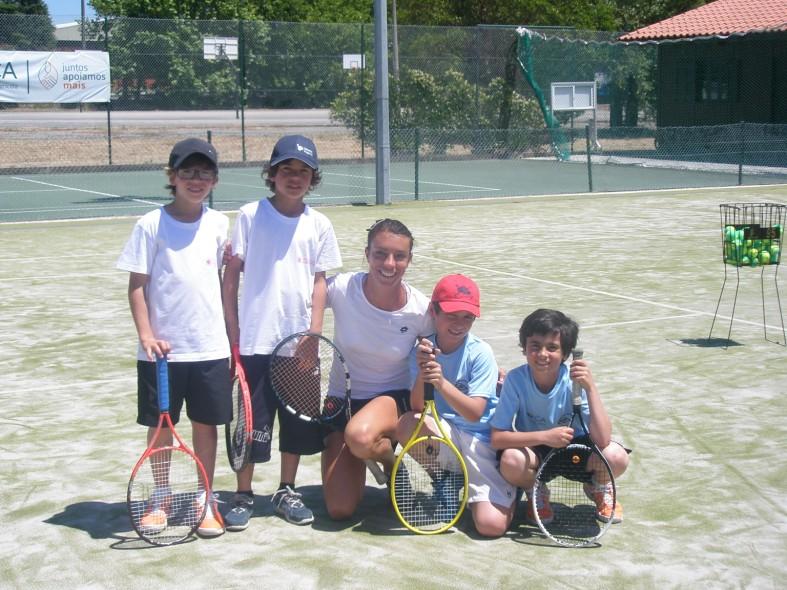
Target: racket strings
429,485
572,506
300,376
167,496
238,433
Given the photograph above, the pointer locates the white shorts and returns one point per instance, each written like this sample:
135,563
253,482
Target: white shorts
486,483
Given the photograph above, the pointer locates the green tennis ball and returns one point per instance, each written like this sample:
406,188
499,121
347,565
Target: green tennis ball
745,261
755,261
754,253
765,257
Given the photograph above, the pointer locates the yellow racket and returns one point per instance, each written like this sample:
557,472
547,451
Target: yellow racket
429,479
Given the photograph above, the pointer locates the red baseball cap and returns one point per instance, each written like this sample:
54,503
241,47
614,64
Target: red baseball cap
457,293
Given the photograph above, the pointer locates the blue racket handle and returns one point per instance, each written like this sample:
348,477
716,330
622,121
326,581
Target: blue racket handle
162,384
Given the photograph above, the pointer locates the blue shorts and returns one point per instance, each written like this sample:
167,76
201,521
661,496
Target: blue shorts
205,386
296,436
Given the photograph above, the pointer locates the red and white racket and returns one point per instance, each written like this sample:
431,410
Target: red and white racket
168,488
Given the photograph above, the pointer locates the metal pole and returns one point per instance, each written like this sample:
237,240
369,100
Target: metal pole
82,34
382,135
109,102
416,159
210,194
362,93
741,152
395,40
243,85
587,150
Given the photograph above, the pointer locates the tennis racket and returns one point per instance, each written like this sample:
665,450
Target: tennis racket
429,478
566,479
168,489
300,372
238,432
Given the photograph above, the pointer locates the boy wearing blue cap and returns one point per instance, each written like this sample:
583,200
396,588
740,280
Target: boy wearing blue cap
283,247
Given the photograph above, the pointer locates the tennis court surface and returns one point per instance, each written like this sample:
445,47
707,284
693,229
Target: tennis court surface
641,272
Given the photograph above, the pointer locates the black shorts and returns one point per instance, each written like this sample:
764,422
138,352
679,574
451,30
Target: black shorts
339,423
205,386
566,466
296,436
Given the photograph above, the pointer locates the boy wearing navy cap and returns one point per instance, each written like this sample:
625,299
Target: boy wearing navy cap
284,248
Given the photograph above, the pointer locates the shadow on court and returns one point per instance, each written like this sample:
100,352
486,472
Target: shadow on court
101,520
706,342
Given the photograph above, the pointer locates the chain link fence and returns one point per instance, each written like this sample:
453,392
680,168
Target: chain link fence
458,94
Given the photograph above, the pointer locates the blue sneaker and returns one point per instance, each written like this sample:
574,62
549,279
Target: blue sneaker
237,519
448,493
288,504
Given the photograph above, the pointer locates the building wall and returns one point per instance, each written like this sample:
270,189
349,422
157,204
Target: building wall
718,81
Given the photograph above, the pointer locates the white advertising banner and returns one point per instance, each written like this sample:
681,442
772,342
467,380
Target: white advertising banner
42,76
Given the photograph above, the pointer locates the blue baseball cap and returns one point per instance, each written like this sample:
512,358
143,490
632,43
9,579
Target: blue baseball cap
189,147
295,147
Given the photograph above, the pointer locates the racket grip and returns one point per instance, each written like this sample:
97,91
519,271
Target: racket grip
162,383
576,388
428,391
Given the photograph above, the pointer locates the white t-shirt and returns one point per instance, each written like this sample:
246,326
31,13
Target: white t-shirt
375,343
183,293
281,256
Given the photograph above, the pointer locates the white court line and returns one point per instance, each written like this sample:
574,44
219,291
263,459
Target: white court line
670,317
44,190
80,190
90,384
420,182
589,290
69,276
37,258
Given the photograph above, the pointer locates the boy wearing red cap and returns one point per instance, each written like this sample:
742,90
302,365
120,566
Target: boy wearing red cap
464,373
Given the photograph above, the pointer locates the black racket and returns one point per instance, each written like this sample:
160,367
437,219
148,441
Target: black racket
568,479
300,373
238,433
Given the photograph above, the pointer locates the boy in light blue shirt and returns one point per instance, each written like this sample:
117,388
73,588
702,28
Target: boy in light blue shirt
535,412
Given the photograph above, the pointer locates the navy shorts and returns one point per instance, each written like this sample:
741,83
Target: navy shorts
296,436
205,386
339,423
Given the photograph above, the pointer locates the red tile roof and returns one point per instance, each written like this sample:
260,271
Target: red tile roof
722,17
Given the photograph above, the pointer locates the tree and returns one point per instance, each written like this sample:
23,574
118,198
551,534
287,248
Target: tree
192,9
634,14
25,24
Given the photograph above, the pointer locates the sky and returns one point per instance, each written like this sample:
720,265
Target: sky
67,11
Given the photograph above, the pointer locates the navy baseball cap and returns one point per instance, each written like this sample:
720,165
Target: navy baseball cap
189,147
295,147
